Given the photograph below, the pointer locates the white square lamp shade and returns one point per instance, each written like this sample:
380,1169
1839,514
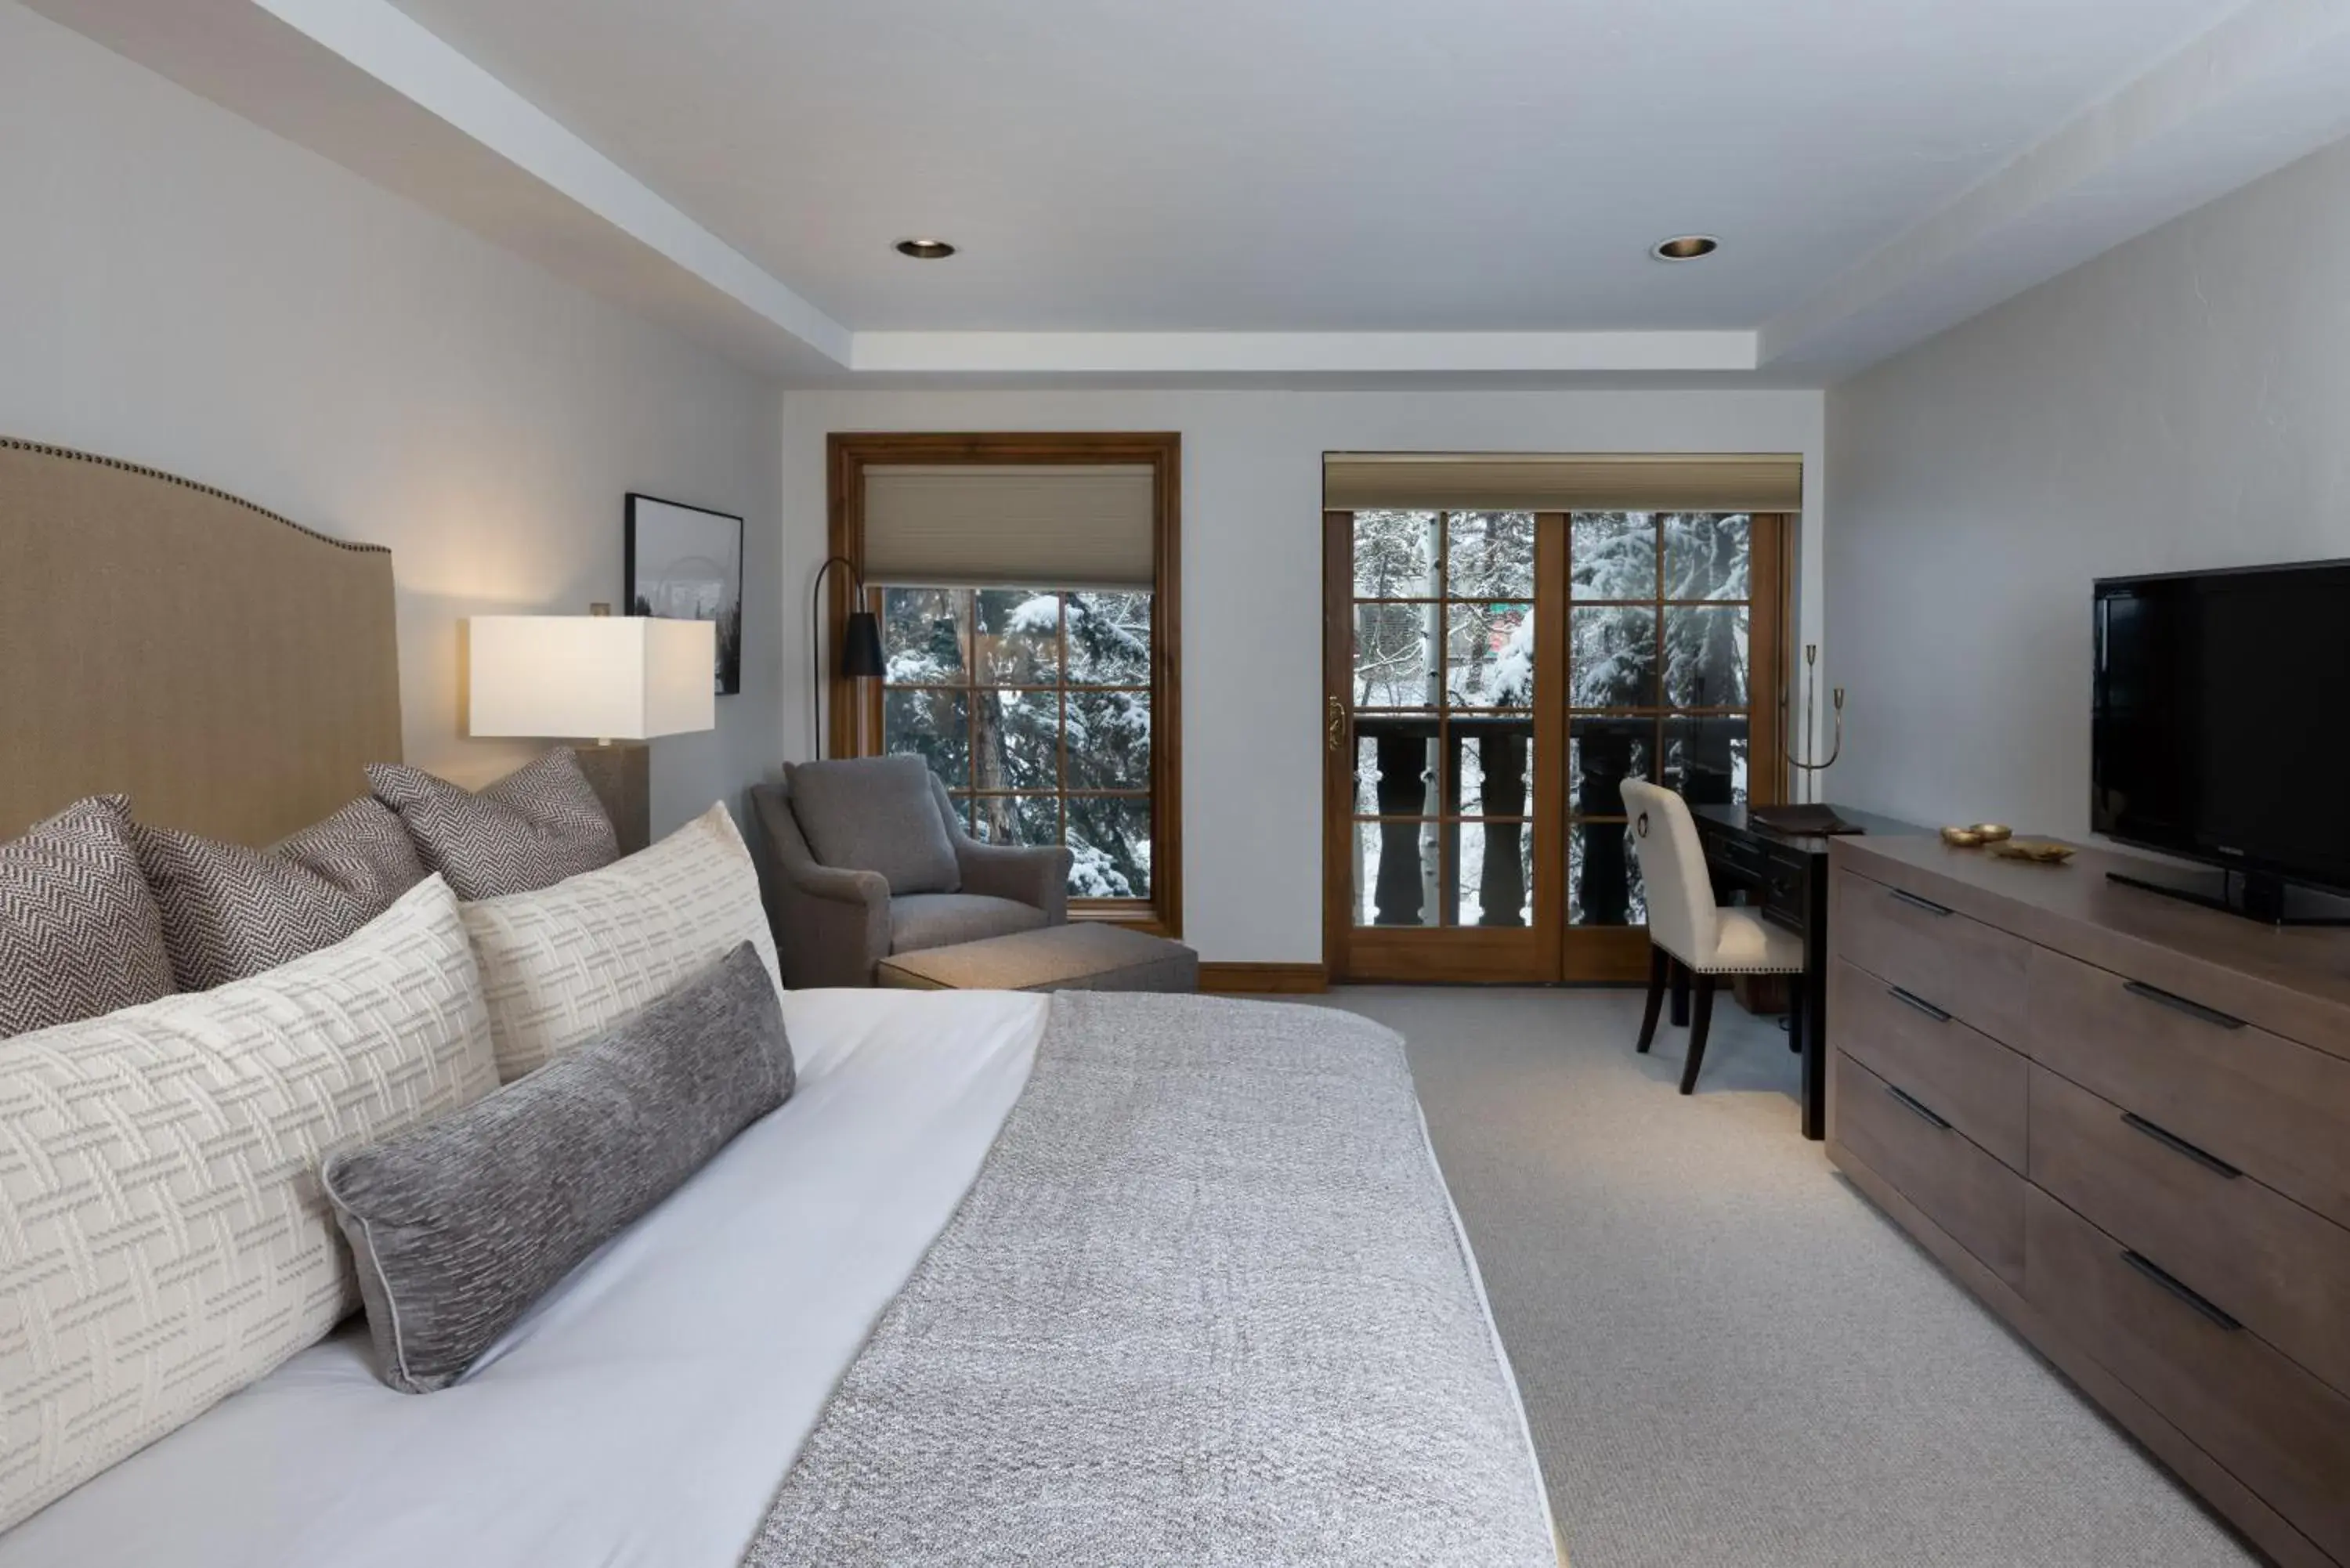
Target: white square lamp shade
612,677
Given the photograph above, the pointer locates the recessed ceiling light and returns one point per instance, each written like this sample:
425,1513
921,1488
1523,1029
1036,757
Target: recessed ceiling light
1685,247
925,249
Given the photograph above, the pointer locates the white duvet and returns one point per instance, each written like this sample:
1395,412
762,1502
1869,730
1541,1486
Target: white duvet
644,1412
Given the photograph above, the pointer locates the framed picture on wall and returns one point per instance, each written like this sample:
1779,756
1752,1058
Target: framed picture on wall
685,563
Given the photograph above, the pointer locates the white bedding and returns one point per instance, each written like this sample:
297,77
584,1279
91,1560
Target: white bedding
644,1413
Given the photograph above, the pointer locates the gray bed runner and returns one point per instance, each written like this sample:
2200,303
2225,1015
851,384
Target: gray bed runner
1204,1305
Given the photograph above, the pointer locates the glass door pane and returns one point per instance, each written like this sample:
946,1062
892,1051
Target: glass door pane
1659,607
1442,655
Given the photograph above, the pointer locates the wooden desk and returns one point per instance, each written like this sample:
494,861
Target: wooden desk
1784,877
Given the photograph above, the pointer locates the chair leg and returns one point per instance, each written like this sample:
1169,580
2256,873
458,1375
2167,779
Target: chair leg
1680,995
1699,1019
1660,970
1795,1013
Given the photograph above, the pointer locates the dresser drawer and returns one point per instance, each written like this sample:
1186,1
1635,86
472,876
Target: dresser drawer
2276,1429
2274,1110
2283,1270
1904,1139
1980,1084
1962,966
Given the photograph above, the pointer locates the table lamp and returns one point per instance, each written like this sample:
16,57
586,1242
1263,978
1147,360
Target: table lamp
621,679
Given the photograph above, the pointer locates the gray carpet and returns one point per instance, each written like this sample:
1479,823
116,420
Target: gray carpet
1728,1356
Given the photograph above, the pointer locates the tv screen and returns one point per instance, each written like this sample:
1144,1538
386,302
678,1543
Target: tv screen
2221,719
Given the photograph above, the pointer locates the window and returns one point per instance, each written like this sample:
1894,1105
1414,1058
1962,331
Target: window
1027,587
1034,706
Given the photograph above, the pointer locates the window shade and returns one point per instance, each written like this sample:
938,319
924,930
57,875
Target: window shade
1062,525
1620,481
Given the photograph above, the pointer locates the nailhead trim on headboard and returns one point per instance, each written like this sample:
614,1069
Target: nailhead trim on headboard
13,444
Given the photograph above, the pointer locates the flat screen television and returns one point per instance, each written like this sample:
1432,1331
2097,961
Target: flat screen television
2221,726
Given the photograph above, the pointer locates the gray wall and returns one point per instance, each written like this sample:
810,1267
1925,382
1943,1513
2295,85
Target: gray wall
180,289
2181,401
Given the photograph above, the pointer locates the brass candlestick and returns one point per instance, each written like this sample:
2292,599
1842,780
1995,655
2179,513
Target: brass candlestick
1813,768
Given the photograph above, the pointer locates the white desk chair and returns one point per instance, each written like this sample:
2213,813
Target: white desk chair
1688,928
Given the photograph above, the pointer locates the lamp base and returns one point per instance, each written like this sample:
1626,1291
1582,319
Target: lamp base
620,773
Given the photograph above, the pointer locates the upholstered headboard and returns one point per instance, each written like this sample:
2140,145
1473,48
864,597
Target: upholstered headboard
228,670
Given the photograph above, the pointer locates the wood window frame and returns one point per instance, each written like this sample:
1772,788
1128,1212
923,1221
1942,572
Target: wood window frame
855,726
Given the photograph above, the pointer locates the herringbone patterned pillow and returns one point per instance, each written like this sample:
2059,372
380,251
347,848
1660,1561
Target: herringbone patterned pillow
79,934
529,830
168,1239
230,911
562,965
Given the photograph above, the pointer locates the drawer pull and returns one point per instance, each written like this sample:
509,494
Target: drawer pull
2177,1145
1919,1002
1915,902
2160,1278
2138,988
1917,1107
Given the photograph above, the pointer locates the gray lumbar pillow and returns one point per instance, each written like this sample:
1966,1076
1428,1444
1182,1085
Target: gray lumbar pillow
875,814
459,1225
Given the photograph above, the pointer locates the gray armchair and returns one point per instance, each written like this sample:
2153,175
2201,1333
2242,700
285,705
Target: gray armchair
837,916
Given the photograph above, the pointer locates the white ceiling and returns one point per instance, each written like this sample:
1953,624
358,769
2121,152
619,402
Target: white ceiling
1284,191
1311,165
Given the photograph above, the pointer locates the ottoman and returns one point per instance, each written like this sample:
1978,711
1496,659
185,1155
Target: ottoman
1086,956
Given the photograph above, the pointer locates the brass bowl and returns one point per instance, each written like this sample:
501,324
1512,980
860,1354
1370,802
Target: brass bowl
1963,838
2044,851
1994,832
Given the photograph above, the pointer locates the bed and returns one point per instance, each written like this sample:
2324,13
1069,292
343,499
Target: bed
732,1379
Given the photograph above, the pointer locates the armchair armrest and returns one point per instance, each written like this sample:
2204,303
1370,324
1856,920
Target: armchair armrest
859,889
1038,876
832,925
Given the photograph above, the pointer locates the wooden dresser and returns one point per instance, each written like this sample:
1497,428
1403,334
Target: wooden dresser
2124,1122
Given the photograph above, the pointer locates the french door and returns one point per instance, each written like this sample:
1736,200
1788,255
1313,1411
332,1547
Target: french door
1491,680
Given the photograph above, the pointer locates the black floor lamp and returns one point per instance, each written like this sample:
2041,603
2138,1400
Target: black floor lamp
860,642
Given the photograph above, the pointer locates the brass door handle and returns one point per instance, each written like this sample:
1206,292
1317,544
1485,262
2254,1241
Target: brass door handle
1337,725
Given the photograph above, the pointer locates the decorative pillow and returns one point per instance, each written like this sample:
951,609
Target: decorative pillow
529,830
79,934
562,965
168,1241
230,911
875,814
459,1225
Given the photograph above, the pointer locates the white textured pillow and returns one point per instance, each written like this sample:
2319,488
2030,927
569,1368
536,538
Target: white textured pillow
562,965
166,1238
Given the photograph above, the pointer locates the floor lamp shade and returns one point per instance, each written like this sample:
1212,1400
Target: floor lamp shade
860,646
615,678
